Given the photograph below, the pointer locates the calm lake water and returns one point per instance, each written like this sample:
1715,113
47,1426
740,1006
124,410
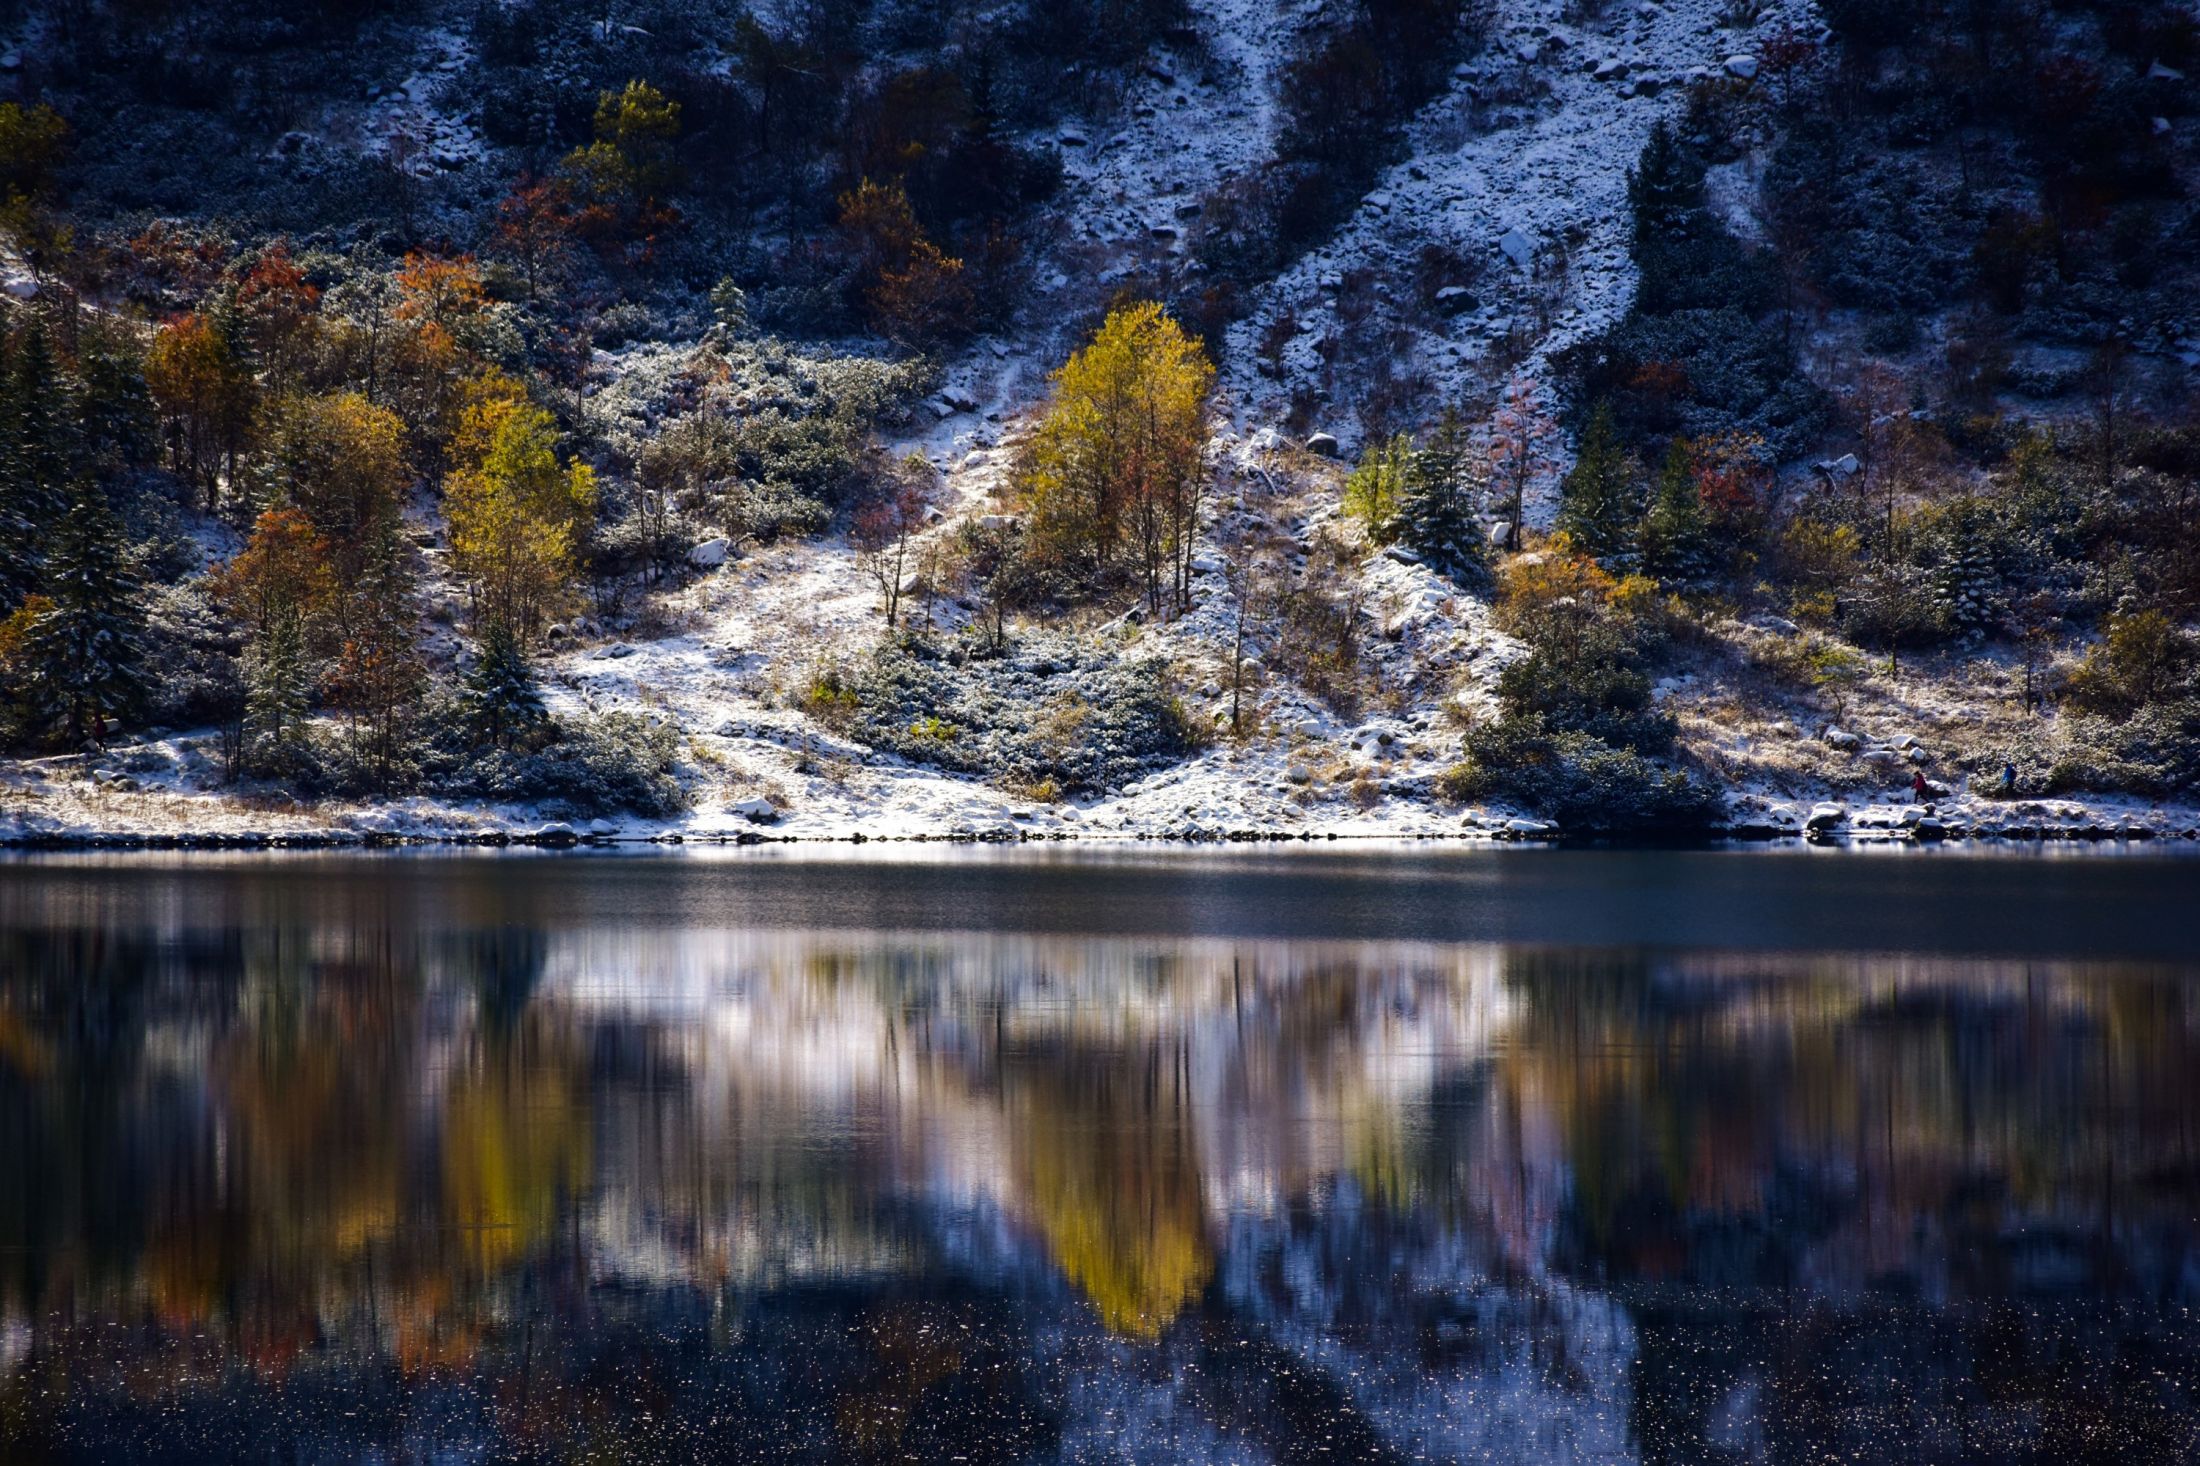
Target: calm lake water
995,1157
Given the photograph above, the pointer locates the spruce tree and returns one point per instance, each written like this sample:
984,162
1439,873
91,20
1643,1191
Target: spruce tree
34,462
379,673
1598,507
501,699
278,695
1675,537
85,648
1440,518
1665,188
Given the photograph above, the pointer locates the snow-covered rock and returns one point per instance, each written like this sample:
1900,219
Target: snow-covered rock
756,810
1324,444
711,553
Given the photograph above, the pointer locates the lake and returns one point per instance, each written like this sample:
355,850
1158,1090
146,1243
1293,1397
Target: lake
952,1154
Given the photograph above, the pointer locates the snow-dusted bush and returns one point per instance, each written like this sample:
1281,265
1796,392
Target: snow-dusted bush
2154,752
1580,781
613,763
1052,710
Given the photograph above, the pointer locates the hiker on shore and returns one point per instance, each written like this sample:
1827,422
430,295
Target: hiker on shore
1918,785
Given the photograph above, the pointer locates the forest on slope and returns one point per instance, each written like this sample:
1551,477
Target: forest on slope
1180,416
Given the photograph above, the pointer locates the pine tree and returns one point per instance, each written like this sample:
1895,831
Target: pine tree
1664,188
1598,507
1440,518
84,651
1376,492
278,694
1675,537
378,673
34,462
502,700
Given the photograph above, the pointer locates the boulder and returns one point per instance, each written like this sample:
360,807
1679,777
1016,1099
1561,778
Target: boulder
756,810
1742,67
556,835
1824,817
1453,299
1517,247
1324,444
1843,739
711,553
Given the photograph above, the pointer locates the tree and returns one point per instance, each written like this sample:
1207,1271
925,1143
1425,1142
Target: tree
1521,434
204,392
1598,505
1665,188
502,701
884,527
1375,494
1125,428
516,515
909,290
276,303
620,178
1440,517
1674,538
535,227
340,461
35,455
32,141
283,573
84,651
378,674
1000,567
2142,658
278,695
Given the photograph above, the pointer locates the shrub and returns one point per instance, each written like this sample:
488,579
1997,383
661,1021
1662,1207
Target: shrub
1048,711
1577,780
2141,659
613,763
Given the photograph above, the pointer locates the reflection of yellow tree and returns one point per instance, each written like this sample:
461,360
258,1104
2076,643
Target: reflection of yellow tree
515,1143
1110,1173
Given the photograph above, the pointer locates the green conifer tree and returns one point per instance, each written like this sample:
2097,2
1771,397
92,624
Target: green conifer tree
1440,518
502,701
1675,537
278,695
34,462
1598,505
1665,187
85,649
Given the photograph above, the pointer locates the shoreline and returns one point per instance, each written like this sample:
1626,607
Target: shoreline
562,839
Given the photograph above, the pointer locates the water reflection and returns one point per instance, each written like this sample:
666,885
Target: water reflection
345,1182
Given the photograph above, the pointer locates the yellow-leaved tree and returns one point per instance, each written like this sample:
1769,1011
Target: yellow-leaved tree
1114,470
517,515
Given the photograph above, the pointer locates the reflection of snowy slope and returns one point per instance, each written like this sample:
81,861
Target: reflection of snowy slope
1448,1356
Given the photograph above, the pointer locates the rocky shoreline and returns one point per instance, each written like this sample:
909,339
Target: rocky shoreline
2023,822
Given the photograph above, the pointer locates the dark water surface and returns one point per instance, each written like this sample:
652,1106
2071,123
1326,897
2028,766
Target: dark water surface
1567,1156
